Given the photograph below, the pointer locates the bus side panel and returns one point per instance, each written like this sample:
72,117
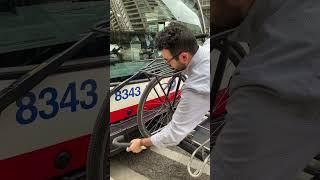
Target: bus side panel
40,164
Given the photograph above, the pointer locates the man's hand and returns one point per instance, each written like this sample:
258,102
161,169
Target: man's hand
136,146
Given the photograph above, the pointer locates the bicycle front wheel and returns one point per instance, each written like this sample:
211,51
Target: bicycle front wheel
158,103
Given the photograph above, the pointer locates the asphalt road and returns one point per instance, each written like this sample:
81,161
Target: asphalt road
167,164
154,164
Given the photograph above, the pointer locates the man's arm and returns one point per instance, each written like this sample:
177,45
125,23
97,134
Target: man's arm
189,113
230,13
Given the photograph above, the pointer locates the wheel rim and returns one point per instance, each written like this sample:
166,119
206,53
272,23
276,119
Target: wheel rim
159,105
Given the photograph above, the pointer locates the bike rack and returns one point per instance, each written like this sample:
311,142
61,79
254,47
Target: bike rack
117,142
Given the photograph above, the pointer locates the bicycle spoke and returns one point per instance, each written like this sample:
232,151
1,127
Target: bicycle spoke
219,104
224,93
154,104
170,85
177,90
168,119
150,121
159,121
162,120
153,127
151,105
156,116
154,88
159,97
158,130
158,111
147,124
164,93
166,114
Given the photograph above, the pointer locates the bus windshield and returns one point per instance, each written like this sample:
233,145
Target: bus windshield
35,30
134,24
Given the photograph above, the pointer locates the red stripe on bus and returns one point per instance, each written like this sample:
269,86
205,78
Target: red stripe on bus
39,164
131,111
121,114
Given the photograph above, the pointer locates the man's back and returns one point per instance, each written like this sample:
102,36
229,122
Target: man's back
273,115
285,48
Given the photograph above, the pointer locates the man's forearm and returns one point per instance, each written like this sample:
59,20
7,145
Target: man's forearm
188,115
230,13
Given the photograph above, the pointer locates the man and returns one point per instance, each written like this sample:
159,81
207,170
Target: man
273,120
179,48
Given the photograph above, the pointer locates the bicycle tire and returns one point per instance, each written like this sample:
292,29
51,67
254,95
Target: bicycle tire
140,121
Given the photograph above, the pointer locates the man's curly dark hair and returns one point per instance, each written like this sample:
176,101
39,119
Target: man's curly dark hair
176,38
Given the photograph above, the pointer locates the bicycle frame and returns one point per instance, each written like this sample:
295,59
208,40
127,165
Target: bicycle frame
229,50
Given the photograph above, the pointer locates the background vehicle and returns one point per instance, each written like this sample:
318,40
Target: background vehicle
45,133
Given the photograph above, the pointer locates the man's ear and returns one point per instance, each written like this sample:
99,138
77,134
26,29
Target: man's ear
184,56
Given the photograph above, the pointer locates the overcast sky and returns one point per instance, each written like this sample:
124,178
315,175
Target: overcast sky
182,12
